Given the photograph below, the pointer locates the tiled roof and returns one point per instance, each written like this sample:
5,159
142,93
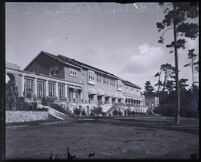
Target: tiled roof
78,64
131,84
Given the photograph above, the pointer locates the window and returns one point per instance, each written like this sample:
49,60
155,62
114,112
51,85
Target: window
40,88
104,80
53,70
61,88
112,82
98,79
91,76
107,80
51,89
73,72
28,86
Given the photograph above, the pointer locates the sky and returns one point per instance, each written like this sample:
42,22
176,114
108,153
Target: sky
119,38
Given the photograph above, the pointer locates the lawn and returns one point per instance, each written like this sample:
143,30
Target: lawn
107,138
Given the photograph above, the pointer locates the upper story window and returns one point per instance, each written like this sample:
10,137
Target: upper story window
108,80
91,76
53,70
98,78
104,80
112,82
73,72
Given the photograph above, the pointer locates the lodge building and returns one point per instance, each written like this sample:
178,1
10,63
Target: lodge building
70,81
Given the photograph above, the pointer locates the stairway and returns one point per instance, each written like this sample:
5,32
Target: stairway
106,107
117,107
55,113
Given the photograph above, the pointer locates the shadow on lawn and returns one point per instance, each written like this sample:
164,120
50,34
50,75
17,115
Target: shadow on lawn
67,156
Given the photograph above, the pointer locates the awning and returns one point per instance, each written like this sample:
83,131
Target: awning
73,86
120,96
100,92
92,91
107,94
114,95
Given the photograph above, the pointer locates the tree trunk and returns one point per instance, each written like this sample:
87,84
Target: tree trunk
177,71
193,85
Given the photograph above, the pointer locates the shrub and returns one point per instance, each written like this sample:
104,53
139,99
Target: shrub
25,106
77,111
103,113
98,110
149,111
133,112
115,112
92,113
47,101
166,110
83,112
120,113
129,112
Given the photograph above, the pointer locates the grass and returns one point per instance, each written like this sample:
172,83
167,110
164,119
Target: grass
108,138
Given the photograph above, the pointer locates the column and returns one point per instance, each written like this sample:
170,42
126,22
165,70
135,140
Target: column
123,100
103,99
74,98
110,100
116,100
65,91
22,90
95,99
81,94
56,91
35,87
46,88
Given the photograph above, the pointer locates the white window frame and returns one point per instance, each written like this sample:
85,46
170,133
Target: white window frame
91,76
41,88
73,72
54,70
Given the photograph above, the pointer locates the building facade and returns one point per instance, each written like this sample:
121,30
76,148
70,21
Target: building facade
151,101
70,81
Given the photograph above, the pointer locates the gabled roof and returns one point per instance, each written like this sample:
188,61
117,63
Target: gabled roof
53,57
77,64
83,65
131,84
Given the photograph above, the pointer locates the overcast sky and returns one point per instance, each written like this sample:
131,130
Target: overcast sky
118,38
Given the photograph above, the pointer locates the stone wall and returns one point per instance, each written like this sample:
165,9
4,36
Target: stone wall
24,116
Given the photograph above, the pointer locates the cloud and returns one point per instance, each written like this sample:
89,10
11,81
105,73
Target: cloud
148,58
51,41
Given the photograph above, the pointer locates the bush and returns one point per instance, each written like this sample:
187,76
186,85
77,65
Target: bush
120,113
166,110
149,111
133,112
43,109
98,110
25,106
83,112
47,101
115,112
77,111
103,113
129,112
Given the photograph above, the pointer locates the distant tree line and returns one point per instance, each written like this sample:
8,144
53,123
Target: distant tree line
166,92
